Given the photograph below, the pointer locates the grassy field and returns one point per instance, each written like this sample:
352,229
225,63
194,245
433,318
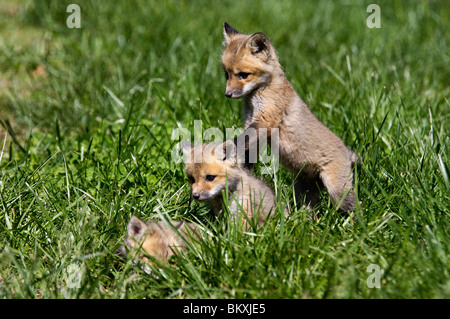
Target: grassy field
85,142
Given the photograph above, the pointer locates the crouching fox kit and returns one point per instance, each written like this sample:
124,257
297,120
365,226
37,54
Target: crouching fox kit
216,169
158,239
309,149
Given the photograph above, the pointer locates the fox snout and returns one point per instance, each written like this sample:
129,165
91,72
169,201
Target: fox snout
236,94
201,196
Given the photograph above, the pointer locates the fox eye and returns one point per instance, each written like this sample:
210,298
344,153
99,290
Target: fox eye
243,75
191,179
210,178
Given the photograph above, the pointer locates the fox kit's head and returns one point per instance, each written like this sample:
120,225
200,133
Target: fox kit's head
210,168
148,239
249,62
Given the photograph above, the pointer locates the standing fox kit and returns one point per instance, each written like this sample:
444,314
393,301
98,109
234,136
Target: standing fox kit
309,149
216,169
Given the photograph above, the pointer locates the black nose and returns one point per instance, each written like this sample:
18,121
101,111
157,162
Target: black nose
228,94
195,195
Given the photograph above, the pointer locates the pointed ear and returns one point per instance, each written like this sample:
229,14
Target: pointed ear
136,227
259,44
228,31
187,149
227,151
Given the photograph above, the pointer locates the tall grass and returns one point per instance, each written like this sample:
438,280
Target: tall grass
86,143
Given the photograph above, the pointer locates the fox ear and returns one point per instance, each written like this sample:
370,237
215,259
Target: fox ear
227,151
259,44
136,227
228,31
187,149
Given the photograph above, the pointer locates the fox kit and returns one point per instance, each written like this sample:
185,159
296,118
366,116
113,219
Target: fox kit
215,169
309,149
158,239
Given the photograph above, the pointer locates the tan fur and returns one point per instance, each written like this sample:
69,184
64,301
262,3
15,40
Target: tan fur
158,239
245,191
308,148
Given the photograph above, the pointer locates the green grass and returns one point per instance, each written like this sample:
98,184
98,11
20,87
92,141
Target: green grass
87,143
